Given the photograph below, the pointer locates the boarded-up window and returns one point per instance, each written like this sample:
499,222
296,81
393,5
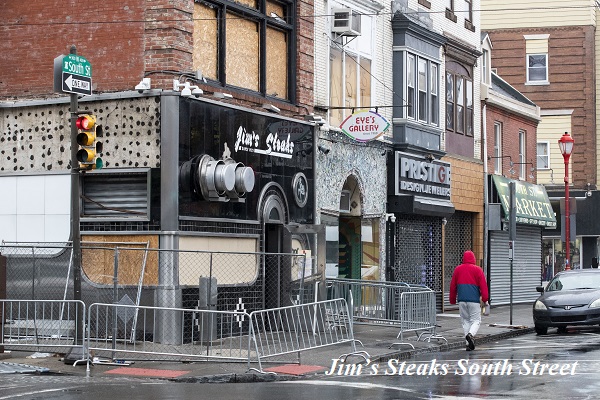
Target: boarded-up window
336,83
242,52
201,256
277,67
238,43
365,82
205,54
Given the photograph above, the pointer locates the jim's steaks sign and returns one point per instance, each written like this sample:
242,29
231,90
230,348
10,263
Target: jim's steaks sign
364,126
419,176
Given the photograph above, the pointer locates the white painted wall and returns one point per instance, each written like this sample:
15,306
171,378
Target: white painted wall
35,208
507,14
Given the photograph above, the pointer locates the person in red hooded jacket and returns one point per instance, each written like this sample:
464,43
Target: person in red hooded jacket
469,287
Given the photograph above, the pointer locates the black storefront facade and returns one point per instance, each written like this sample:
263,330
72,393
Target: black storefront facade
246,182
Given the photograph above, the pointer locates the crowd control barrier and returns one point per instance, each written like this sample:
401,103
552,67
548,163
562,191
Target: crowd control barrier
291,330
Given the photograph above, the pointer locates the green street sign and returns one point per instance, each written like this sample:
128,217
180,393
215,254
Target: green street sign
532,204
77,65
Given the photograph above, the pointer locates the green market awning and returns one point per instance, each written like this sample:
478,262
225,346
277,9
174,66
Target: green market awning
531,201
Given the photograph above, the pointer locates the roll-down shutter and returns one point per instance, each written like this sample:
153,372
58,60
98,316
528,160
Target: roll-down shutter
526,265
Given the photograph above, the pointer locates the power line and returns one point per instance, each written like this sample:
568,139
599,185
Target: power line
229,17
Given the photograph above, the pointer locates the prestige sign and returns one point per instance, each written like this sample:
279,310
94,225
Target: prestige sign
416,175
364,126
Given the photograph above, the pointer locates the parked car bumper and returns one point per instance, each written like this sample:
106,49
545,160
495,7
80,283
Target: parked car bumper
558,318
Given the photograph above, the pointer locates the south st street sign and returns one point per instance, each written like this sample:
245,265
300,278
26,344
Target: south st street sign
417,175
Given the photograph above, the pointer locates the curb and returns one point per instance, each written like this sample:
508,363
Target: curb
402,355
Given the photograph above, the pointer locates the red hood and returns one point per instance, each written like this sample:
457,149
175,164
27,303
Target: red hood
469,257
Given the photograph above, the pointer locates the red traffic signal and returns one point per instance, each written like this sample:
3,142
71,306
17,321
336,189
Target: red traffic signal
85,122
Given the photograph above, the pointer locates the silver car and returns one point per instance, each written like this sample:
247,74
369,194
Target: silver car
570,298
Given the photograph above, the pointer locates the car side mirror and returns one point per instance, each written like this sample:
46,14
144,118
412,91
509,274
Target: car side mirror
539,289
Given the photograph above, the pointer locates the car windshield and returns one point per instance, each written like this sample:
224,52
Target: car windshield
574,281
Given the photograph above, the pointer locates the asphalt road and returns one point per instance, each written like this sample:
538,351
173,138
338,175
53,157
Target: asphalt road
553,366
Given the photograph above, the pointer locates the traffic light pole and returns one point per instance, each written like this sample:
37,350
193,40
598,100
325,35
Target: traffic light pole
75,212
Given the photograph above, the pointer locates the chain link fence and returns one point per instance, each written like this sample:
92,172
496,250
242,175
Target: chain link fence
134,275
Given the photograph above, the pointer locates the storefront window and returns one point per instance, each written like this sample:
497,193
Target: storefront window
553,257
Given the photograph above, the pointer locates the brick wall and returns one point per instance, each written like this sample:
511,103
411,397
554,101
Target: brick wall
122,40
33,35
511,124
572,84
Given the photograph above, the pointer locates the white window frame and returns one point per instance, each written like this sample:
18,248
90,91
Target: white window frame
497,147
543,157
431,103
485,67
522,153
411,78
434,98
536,82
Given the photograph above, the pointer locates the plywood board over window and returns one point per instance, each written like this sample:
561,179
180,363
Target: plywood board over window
97,259
365,82
351,81
249,3
276,8
205,54
242,52
335,117
277,56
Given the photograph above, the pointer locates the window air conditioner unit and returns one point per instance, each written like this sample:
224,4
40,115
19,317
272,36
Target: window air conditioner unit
345,201
346,22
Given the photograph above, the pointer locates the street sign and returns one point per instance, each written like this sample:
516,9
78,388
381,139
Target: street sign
76,84
78,65
72,74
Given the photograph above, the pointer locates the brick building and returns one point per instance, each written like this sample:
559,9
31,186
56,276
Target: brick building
229,87
551,57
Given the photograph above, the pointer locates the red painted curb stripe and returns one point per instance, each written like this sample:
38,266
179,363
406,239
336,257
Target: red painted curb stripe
155,373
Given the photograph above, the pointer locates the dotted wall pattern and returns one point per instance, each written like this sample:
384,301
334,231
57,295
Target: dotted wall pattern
37,138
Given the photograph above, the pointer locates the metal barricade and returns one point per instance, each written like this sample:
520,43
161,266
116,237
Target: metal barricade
287,330
159,334
417,313
55,326
371,302
408,306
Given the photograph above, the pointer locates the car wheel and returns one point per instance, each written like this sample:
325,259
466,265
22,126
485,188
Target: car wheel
562,329
541,330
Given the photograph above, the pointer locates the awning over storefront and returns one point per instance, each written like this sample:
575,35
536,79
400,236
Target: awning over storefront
434,207
531,201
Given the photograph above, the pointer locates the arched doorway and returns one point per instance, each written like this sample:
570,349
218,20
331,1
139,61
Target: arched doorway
276,243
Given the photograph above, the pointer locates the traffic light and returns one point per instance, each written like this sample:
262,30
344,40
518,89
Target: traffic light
89,147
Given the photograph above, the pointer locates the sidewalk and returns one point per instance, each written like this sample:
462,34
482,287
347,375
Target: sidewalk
377,341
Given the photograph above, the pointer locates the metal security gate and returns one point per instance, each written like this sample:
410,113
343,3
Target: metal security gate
418,252
458,237
526,265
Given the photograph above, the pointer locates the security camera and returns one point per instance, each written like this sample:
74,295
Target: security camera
197,92
588,193
393,218
143,85
323,149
